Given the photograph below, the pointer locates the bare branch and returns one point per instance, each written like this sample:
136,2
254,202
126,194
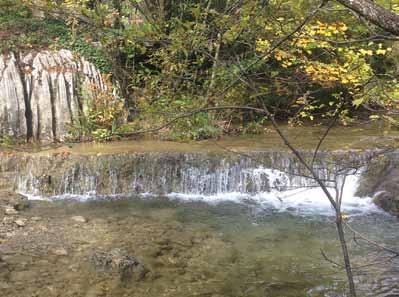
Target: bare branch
330,260
327,131
372,242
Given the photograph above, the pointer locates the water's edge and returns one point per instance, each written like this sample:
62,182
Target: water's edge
268,178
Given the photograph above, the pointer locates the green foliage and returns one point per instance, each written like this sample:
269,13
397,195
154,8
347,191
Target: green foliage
200,126
21,31
103,114
92,53
194,54
6,140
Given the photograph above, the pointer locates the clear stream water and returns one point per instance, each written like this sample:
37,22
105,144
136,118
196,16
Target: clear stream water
265,244
233,239
259,251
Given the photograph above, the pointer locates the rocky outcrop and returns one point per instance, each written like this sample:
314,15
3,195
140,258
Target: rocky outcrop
42,94
381,181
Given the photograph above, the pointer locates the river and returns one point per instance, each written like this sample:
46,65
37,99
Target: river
235,220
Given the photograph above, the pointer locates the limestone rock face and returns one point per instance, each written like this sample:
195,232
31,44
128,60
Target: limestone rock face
42,94
12,105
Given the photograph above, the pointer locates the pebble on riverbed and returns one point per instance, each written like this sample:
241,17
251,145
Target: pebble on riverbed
59,251
79,219
20,222
10,211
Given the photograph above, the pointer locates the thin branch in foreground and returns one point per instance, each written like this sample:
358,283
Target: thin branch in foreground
327,131
330,260
372,242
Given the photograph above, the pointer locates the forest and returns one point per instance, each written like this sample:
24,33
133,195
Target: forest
307,61
261,131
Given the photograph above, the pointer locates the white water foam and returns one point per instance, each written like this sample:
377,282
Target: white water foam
296,195
300,200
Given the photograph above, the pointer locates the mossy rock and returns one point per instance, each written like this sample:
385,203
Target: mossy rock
381,181
388,202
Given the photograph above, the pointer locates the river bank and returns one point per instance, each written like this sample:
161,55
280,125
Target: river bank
357,137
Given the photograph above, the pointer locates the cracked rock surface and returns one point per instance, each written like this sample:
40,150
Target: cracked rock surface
43,93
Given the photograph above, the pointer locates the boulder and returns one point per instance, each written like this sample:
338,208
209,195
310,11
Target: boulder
43,93
381,181
388,201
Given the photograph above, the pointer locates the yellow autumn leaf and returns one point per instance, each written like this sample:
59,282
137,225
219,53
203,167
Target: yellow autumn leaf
381,52
358,102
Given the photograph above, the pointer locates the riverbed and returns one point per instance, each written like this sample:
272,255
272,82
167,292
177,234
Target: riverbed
191,249
233,217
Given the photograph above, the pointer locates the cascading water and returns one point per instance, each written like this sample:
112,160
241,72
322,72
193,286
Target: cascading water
252,224
272,180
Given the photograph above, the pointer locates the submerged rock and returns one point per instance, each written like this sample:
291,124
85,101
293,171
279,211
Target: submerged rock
120,262
79,219
35,219
21,222
10,211
60,251
13,202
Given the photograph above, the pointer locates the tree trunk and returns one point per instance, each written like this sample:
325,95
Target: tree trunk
166,10
215,63
375,14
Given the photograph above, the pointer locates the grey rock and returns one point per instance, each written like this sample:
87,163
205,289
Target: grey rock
120,262
10,211
35,219
42,93
21,222
14,200
380,180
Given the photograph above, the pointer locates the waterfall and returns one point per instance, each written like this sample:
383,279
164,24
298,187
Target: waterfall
271,179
